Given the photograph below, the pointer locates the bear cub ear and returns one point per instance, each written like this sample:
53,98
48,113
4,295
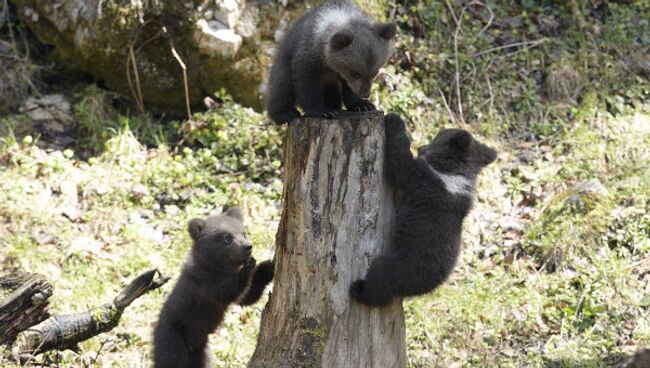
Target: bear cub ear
386,31
234,212
461,141
195,228
341,40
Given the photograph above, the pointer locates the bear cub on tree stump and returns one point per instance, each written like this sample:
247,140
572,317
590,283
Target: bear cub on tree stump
435,194
218,272
330,55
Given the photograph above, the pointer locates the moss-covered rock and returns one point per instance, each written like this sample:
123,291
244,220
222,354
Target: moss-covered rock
128,44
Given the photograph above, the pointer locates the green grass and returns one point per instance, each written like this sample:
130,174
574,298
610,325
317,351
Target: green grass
505,309
548,277
121,231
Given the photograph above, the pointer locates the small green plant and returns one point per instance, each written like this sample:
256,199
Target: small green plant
237,140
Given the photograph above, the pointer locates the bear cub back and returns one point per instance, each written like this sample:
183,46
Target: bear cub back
435,194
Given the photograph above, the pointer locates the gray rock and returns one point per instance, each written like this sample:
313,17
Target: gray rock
281,29
592,188
51,116
215,39
96,36
228,11
49,109
139,191
247,25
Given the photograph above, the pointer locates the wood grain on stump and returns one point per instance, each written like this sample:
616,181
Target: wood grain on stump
337,215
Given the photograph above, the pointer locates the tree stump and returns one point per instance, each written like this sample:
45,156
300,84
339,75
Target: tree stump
338,213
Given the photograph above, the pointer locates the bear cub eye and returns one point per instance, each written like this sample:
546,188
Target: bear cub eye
227,238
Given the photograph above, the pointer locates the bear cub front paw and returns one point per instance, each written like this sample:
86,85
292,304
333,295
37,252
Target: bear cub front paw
265,271
362,105
356,289
323,114
287,116
394,123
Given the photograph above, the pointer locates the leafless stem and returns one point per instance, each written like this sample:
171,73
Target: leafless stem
526,44
489,23
185,83
456,68
444,100
453,14
459,27
94,360
489,84
136,90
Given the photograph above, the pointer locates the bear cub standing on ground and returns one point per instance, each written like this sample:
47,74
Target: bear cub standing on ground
218,272
435,194
334,51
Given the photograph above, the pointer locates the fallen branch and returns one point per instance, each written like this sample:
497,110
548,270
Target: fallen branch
65,331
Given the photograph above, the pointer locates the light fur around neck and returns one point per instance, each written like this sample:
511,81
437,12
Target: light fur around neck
336,17
455,184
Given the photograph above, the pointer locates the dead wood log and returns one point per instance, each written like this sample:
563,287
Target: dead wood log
65,331
23,303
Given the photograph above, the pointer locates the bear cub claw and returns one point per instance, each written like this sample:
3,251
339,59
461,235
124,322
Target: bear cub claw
394,123
363,106
266,271
250,264
356,289
282,117
323,115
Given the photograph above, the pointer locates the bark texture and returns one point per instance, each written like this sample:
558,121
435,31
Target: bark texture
65,331
23,303
338,213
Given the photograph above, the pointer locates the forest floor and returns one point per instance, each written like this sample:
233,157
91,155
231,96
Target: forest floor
555,270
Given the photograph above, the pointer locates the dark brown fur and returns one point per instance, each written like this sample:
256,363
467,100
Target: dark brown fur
327,59
435,194
219,271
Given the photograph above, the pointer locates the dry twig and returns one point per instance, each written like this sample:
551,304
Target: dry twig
526,44
459,27
131,63
185,83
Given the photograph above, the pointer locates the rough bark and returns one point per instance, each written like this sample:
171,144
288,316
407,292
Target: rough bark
23,303
65,331
337,215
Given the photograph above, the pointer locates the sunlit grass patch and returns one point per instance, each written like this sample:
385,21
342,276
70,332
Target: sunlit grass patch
555,272
90,226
